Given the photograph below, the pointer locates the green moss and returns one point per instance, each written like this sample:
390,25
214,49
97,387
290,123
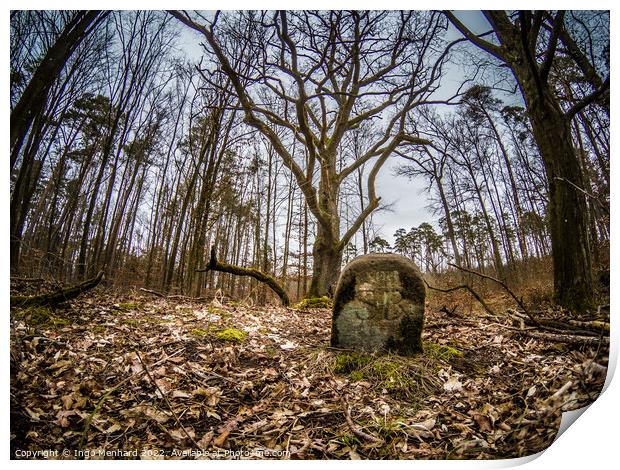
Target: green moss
314,302
349,440
129,306
402,377
347,363
232,335
60,321
98,329
44,316
38,315
131,322
441,351
357,375
271,352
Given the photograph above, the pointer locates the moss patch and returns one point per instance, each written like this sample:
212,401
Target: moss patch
60,321
43,316
232,334
199,332
38,315
98,329
128,306
441,351
403,377
314,302
348,363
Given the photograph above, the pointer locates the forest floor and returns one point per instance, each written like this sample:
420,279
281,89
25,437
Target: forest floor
136,376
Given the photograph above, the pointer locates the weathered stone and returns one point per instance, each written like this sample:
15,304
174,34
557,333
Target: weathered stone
379,305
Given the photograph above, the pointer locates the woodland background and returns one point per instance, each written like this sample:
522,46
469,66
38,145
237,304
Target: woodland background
158,155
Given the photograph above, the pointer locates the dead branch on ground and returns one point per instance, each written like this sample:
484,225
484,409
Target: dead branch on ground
518,300
215,265
57,297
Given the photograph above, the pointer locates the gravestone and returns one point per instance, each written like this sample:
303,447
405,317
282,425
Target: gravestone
379,305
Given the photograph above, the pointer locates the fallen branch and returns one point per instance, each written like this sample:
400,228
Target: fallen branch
358,432
154,292
562,326
594,326
466,287
57,297
569,339
215,265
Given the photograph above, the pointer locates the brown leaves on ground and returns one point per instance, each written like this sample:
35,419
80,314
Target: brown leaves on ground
140,377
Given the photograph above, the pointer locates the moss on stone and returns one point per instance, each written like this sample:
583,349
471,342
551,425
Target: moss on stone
232,335
409,341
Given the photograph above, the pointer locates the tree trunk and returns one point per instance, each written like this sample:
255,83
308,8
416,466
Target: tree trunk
567,207
449,224
326,265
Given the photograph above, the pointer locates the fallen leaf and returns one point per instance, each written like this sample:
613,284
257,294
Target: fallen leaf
453,385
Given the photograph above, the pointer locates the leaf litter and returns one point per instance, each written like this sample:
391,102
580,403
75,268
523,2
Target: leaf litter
136,377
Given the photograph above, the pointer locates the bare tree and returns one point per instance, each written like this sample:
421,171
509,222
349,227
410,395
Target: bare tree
314,76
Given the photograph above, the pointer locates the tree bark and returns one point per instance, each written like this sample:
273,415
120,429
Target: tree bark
573,287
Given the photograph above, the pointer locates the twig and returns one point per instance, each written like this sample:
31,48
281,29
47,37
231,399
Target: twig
466,287
358,432
112,390
569,339
506,288
175,296
154,292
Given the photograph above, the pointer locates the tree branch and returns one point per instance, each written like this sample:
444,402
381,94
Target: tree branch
492,49
57,297
587,100
215,265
